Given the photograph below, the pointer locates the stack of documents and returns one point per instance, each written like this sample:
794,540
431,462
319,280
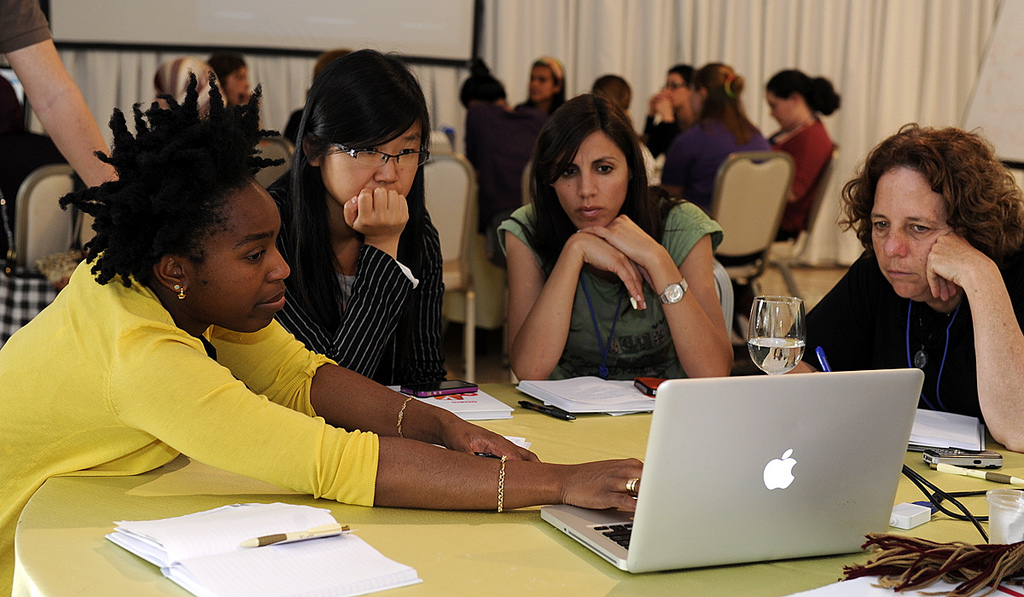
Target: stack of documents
589,395
936,429
470,406
202,553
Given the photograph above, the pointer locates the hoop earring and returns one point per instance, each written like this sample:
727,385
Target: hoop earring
181,291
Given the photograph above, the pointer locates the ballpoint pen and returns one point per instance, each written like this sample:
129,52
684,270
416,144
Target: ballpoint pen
551,411
988,476
328,530
821,359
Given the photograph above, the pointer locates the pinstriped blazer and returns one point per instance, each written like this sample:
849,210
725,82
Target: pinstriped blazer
371,328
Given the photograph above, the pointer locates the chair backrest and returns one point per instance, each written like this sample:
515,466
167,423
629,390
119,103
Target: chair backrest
42,228
450,188
824,178
749,198
275,148
723,285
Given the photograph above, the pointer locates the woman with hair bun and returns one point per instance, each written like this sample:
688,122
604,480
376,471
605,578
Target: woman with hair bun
692,161
796,100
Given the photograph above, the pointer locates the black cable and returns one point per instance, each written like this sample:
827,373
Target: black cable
936,496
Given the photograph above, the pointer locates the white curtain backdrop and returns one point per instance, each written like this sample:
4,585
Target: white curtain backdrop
892,63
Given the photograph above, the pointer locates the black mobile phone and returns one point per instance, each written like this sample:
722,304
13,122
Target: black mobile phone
648,385
438,388
964,458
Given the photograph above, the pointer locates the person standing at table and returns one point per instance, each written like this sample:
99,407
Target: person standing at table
796,100
367,281
165,342
607,276
722,127
669,112
940,285
25,40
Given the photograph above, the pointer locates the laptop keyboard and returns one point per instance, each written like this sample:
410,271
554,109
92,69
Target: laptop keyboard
618,533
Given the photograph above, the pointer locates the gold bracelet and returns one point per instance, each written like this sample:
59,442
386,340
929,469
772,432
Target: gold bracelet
501,485
401,414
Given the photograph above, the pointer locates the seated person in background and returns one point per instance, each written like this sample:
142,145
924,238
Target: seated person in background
547,85
796,100
176,306
616,89
233,75
323,60
941,283
367,281
596,240
21,152
498,144
722,127
172,78
669,111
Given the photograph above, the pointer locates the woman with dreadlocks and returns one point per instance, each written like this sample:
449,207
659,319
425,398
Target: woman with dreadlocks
164,342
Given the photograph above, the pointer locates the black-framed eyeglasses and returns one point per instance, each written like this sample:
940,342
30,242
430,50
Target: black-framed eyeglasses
371,158
673,85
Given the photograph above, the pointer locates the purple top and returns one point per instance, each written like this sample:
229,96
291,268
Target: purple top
693,159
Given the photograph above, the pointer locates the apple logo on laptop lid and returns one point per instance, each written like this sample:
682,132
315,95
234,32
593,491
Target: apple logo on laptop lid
778,473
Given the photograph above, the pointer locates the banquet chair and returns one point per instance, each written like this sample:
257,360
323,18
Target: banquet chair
784,254
748,201
723,285
450,193
276,147
42,228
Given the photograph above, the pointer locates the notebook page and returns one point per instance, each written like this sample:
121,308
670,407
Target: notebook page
214,531
333,566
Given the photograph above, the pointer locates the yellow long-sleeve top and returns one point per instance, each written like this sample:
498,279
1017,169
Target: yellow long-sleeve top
103,383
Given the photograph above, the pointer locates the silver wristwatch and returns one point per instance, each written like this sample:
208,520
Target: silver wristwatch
674,293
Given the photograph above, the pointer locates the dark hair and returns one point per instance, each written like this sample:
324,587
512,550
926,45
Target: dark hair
556,148
818,92
225,63
12,114
362,100
983,202
724,88
683,70
481,85
326,58
173,179
614,88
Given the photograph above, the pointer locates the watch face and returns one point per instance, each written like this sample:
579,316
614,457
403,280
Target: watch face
672,294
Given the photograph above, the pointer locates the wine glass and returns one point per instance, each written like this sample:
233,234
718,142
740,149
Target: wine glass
776,335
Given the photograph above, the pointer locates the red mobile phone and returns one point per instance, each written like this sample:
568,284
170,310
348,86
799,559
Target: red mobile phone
648,385
439,388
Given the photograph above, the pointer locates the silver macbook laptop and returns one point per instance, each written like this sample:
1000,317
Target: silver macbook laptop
747,469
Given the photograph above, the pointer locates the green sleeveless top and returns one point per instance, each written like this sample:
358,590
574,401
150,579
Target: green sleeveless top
642,345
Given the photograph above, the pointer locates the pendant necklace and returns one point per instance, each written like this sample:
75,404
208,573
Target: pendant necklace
602,370
920,359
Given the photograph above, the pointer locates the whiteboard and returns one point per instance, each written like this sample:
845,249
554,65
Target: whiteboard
997,104
434,29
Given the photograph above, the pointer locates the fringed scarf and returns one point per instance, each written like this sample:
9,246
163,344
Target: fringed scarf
904,563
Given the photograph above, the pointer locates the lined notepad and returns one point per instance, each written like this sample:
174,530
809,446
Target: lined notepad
201,553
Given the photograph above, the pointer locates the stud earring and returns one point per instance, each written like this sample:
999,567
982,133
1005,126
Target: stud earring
181,291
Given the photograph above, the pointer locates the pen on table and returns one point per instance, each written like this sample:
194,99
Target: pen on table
328,530
967,472
821,359
551,411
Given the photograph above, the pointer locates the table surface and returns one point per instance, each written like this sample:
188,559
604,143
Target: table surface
61,549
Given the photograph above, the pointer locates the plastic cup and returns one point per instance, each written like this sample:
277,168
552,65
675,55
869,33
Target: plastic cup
1005,515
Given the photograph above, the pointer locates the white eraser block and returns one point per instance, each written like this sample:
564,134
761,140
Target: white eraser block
908,516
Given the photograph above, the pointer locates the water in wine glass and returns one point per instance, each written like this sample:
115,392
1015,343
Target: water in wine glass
775,355
776,336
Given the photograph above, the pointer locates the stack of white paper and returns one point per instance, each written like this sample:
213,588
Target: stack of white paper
472,406
935,429
201,552
589,395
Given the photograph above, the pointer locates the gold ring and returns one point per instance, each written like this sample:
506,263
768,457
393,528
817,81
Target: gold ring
633,486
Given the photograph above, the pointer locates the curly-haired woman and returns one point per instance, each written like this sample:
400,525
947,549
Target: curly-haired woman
941,283
165,342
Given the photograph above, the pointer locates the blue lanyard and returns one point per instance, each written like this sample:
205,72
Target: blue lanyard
602,371
942,364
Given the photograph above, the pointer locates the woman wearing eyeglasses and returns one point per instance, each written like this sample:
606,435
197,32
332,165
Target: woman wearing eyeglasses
366,283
